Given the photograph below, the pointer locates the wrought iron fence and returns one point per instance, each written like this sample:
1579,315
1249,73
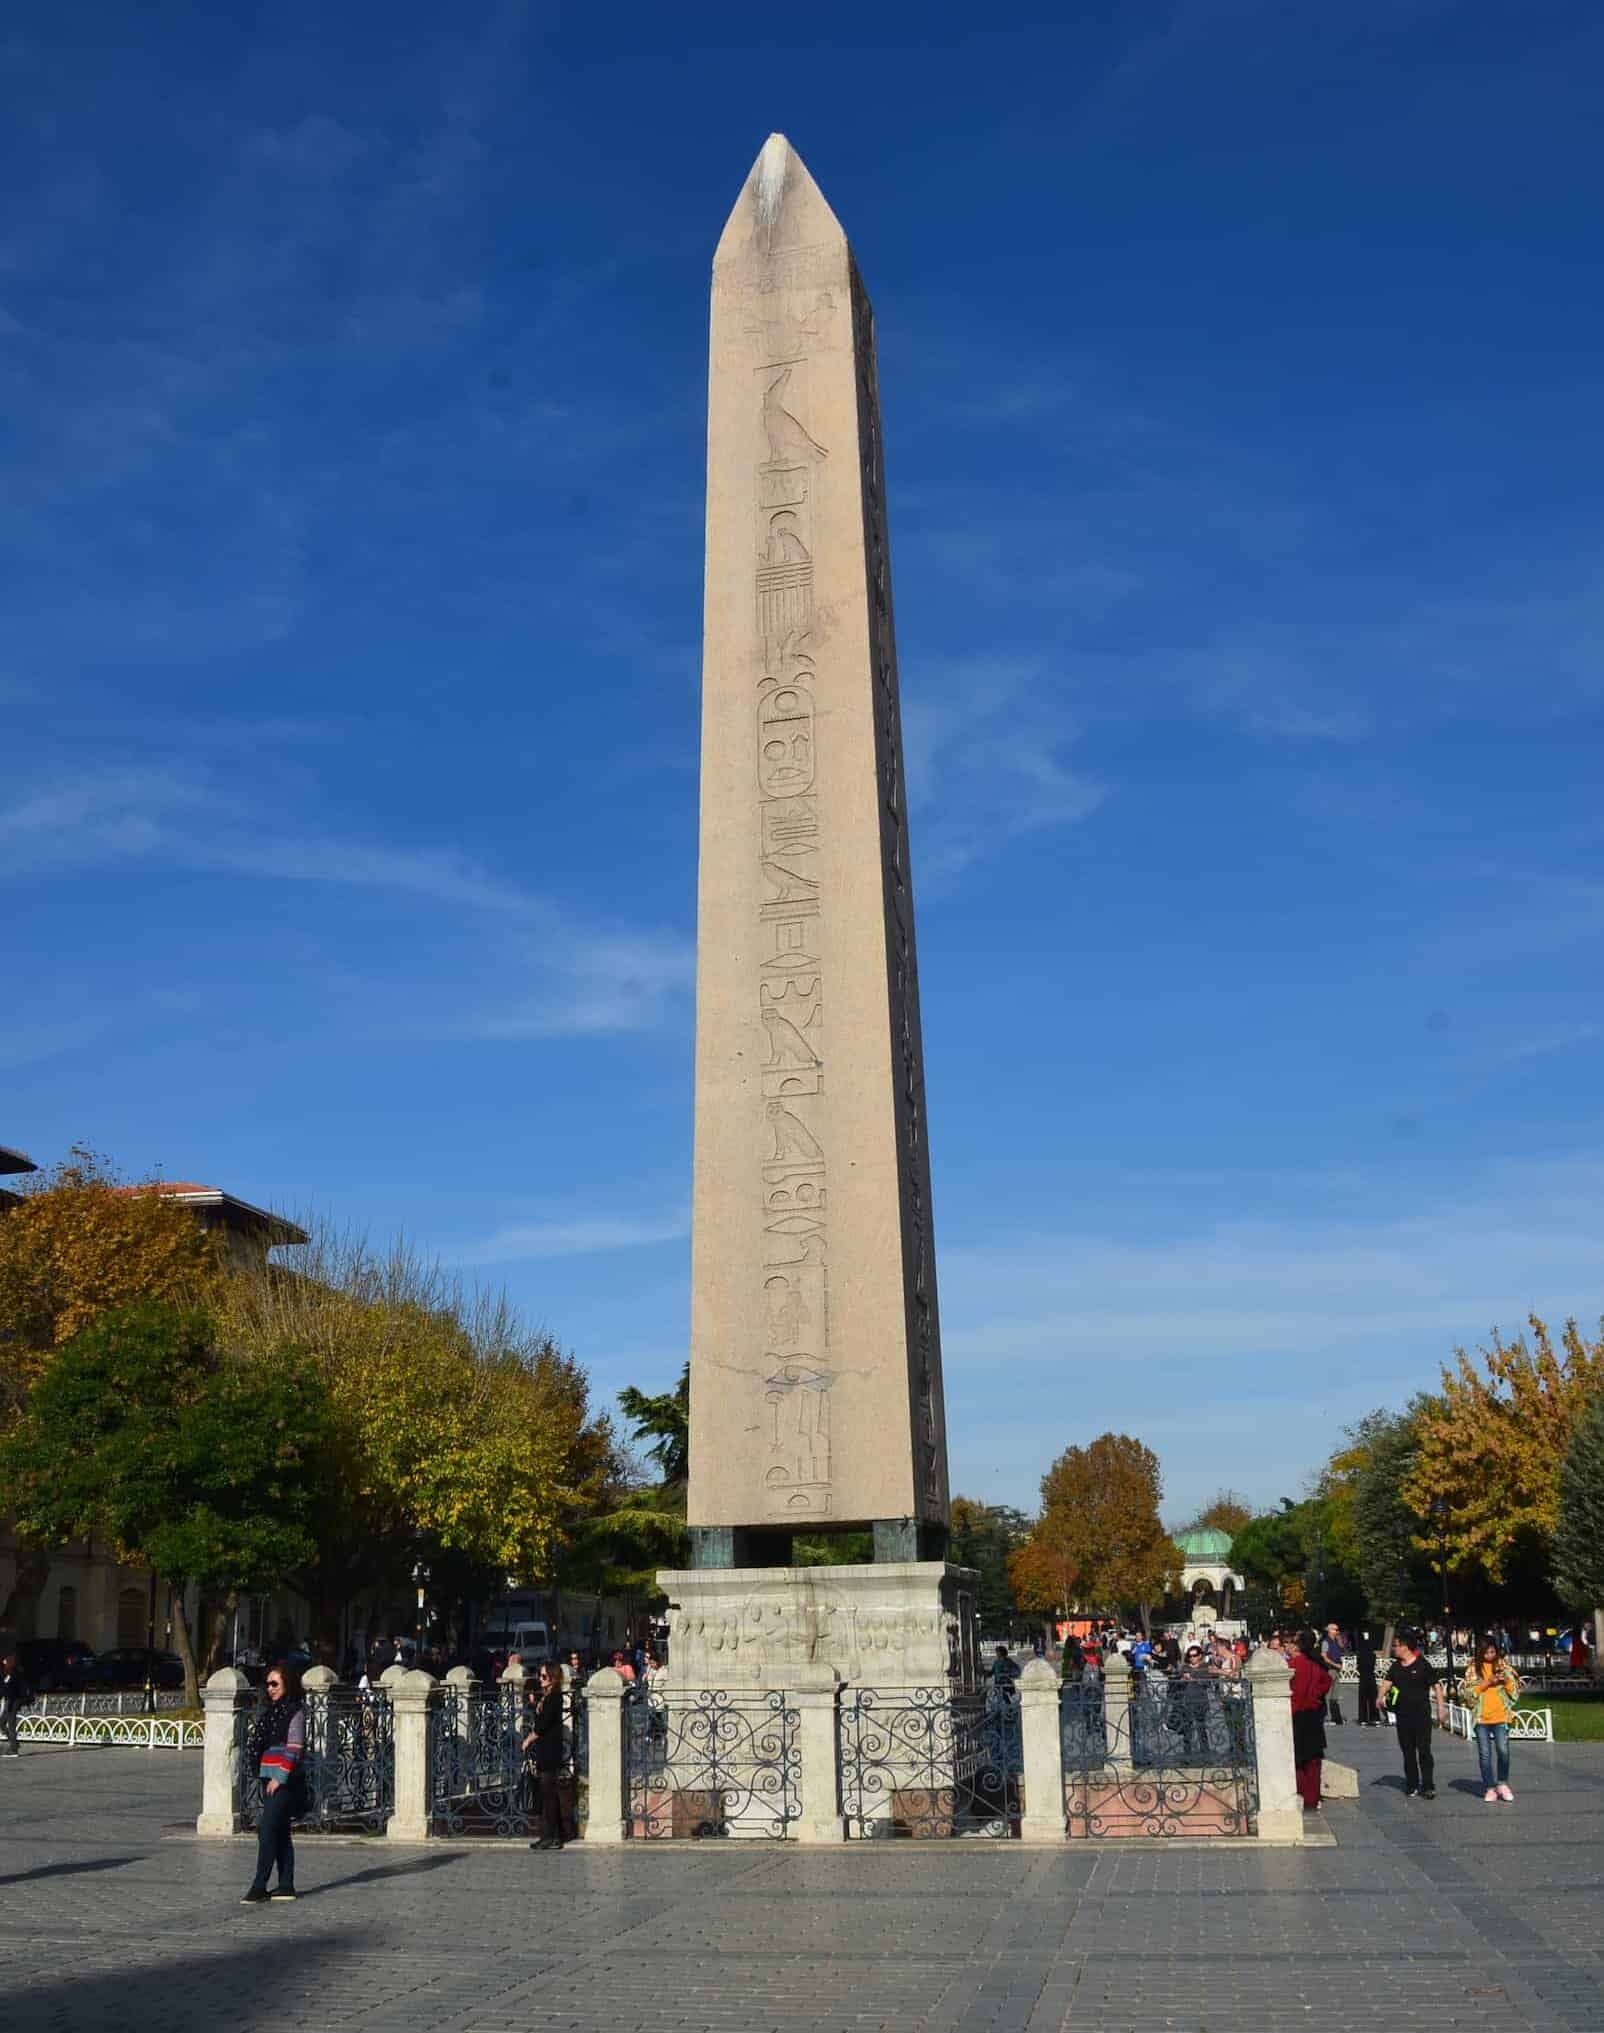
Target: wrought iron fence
928,1763
349,1762
708,1763
104,1704
480,1781
1176,1759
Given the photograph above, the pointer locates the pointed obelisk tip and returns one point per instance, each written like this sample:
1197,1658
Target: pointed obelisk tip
780,206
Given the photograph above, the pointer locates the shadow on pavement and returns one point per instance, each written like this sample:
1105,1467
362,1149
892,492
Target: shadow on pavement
71,1870
379,1871
180,1993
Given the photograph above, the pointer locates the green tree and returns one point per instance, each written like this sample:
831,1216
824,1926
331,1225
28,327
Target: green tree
1270,1548
201,1469
639,1526
1392,1570
661,1426
1294,1553
1579,1532
982,1537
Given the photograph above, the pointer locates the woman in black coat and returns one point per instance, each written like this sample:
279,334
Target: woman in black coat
545,1739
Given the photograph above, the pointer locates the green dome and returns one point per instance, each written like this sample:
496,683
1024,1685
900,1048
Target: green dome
1207,1547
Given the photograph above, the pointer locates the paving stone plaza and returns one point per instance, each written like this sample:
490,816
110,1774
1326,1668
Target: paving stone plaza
1441,1915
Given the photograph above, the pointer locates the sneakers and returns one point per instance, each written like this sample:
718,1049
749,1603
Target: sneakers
283,1892
1491,1794
255,1897
1428,1792
1505,1794
1410,1792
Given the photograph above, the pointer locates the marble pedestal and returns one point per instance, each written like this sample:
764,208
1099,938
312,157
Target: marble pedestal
811,1639
889,1624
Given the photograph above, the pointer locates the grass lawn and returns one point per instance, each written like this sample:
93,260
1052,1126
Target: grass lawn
1578,1718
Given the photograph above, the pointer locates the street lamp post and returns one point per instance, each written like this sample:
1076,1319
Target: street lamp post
1439,1512
150,1650
420,1575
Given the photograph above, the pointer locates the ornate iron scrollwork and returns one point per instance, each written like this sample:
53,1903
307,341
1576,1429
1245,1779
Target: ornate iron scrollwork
708,1763
348,1762
480,1781
1177,1759
928,1763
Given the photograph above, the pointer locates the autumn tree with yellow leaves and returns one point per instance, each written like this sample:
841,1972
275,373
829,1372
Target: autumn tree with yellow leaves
1490,1446
1099,1519
1043,1579
458,1433
78,1244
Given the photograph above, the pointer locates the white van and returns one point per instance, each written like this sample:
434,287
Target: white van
532,1643
529,1640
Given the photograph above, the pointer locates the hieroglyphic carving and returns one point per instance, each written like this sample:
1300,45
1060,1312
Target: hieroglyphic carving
914,1168
798,1368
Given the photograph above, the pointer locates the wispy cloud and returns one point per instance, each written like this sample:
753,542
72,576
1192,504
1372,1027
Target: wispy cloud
1246,1345
592,982
586,1235
985,742
556,974
184,819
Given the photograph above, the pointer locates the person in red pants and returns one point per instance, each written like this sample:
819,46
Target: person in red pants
1311,1683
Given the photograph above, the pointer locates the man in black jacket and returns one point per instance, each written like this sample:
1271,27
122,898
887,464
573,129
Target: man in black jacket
15,1695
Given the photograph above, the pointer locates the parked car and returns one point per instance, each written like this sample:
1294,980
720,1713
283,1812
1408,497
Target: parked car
127,1666
49,1664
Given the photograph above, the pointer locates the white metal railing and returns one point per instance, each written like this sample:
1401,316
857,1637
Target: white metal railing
1526,1725
1541,1677
134,1732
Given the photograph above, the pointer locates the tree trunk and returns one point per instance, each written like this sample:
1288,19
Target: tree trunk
222,1622
181,1640
20,1617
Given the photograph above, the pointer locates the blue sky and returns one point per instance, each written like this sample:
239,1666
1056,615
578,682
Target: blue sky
1241,369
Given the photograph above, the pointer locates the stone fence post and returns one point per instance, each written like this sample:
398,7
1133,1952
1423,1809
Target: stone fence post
226,1771
1043,1818
604,1710
413,1698
1280,1809
815,1693
1117,1711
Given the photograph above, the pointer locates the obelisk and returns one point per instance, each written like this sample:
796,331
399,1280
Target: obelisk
816,1400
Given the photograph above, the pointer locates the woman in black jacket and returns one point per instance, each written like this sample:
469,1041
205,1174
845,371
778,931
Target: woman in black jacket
545,1739
277,1745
